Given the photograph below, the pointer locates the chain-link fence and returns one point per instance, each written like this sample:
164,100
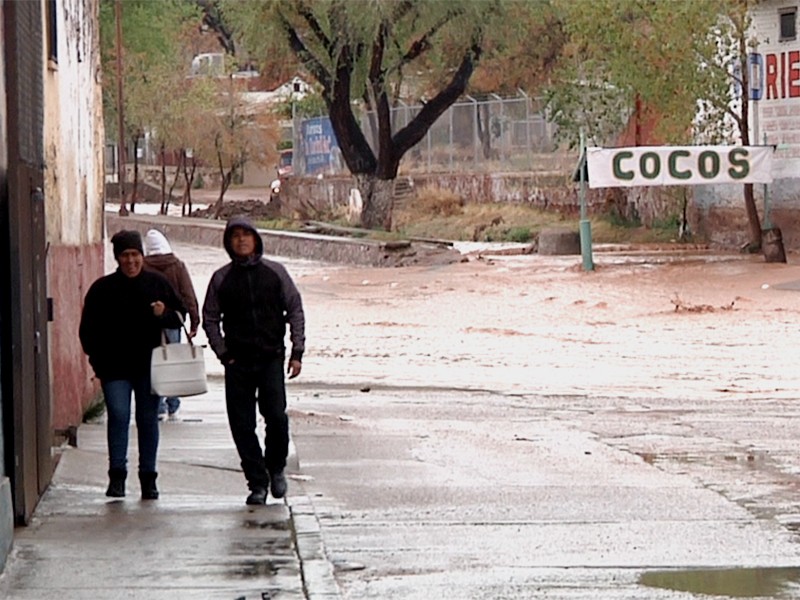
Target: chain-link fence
487,134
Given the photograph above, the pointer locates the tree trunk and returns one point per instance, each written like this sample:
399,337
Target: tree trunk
135,190
773,246
753,220
187,206
164,203
377,195
224,184
178,168
188,177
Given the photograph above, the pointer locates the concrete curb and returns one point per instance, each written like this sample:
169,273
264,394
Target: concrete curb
310,246
319,582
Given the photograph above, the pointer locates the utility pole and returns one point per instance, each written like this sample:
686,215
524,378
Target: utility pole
121,158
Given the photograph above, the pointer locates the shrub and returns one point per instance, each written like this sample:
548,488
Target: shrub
437,202
519,234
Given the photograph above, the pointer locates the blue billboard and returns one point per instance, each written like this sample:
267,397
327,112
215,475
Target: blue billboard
320,148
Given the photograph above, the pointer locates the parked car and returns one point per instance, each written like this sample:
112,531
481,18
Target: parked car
285,163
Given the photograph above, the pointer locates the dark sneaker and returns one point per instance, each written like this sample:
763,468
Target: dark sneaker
277,484
257,496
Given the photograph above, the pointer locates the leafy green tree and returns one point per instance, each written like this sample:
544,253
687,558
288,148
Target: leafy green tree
679,65
153,60
229,133
178,128
359,53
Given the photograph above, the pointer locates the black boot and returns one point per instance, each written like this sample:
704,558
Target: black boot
148,482
116,483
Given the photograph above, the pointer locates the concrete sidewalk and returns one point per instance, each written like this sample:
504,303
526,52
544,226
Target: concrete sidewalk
199,540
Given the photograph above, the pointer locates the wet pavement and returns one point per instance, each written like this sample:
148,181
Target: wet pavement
198,540
448,494
509,427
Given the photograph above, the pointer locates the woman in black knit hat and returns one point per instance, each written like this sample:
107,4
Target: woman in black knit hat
123,315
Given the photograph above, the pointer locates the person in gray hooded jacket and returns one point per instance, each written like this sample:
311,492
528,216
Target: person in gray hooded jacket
159,258
252,299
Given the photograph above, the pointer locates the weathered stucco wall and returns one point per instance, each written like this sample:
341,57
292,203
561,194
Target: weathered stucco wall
718,212
74,129
71,270
6,402
74,137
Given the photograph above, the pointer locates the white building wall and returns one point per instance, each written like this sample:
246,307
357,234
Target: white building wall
776,115
73,189
778,110
73,125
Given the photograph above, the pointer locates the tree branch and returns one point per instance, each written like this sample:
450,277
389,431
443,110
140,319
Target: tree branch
212,18
356,151
379,94
412,133
421,44
401,9
311,62
308,16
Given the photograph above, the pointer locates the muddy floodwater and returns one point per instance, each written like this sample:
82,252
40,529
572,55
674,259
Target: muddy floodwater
638,326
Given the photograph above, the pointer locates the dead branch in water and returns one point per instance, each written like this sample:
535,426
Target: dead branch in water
681,306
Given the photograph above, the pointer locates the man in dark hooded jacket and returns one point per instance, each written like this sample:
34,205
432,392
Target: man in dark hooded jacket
252,299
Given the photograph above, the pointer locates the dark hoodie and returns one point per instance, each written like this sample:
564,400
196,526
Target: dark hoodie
252,298
118,329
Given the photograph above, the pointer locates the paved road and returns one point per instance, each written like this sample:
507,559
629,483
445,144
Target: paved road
636,419
531,430
436,494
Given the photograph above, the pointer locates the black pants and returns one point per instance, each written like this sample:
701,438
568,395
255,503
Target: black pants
261,385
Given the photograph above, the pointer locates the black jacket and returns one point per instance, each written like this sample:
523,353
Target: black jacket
118,329
252,299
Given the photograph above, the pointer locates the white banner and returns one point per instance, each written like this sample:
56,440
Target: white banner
678,165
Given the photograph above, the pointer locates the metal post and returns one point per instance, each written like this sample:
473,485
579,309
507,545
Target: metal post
767,221
450,110
753,92
475,137
429,142
585,225
527,128
501,139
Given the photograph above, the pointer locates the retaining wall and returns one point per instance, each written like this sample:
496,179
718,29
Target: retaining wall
290,244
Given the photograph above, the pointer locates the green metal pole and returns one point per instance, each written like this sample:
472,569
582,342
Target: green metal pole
767,222
585,227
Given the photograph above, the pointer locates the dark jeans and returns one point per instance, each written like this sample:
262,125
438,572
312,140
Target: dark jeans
118,406
170,404
251,385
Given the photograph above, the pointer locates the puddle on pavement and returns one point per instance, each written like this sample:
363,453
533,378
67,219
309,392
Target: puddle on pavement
258,547
248,569
282,525
733,583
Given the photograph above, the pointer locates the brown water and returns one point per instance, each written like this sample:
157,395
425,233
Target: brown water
733,583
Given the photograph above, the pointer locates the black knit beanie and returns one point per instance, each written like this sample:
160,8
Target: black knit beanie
126,240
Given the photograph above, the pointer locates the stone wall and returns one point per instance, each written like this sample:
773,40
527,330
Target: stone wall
715,213
312,198
291,244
